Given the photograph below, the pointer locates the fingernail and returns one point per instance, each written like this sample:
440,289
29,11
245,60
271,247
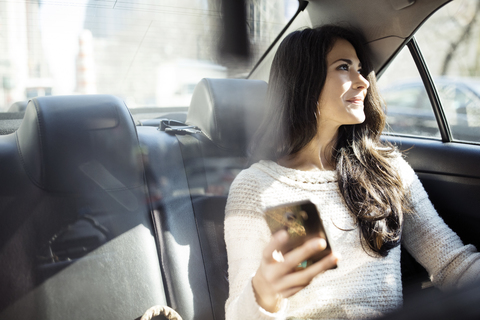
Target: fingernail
277,256
322,244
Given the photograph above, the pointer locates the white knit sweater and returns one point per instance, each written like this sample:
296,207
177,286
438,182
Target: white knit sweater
362,286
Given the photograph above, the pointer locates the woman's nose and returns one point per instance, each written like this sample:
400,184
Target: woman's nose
360,82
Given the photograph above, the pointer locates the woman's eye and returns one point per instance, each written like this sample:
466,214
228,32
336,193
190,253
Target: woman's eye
343,67
360,71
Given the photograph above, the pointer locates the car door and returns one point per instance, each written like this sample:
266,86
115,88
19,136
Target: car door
447,159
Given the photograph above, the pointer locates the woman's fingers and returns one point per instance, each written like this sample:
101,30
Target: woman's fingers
266,278
295,281
301,253
275,280
305,276
279,239
291,291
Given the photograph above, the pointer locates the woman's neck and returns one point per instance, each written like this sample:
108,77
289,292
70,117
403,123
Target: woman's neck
316,155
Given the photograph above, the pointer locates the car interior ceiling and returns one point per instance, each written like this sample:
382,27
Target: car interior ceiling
383,42
130,214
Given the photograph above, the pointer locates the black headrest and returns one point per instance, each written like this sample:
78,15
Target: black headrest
228,111
82,143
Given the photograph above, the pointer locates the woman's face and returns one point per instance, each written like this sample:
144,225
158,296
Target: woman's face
341,99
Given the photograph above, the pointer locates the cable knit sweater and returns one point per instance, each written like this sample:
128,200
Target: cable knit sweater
362,286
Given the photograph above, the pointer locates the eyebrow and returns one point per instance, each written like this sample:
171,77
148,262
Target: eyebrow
347,61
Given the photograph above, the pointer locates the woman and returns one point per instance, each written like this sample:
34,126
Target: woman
320,141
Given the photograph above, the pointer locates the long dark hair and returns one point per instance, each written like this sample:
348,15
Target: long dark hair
369,184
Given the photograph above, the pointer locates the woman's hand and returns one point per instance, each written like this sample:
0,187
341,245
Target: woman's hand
276,280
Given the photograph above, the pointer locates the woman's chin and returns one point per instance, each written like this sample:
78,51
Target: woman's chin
357,118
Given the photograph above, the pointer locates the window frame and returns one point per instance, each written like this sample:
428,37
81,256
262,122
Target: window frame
302,4
430,87
446,135
432,93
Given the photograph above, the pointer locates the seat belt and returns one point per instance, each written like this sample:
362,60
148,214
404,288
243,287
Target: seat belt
177,127
189,138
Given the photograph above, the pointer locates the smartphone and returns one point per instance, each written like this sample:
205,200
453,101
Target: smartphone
302,222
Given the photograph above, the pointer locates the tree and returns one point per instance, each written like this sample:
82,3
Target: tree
467,29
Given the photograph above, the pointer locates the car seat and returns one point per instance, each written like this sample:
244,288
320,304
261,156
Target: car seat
76,239
194,164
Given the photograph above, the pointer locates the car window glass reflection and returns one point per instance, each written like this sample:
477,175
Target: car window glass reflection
151,54
453,59
407,105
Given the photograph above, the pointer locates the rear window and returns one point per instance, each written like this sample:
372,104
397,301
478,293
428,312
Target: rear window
149,53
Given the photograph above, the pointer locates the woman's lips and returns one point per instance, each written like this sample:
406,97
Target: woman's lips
356,101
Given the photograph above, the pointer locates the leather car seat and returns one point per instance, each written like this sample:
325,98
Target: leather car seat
76,239
228,112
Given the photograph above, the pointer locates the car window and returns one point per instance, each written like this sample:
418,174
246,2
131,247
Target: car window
450,44
149,53
406,101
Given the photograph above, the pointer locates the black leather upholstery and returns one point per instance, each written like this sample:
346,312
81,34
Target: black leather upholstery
76,237
77,208
75,144
193,174
210,216
181,258
228,111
